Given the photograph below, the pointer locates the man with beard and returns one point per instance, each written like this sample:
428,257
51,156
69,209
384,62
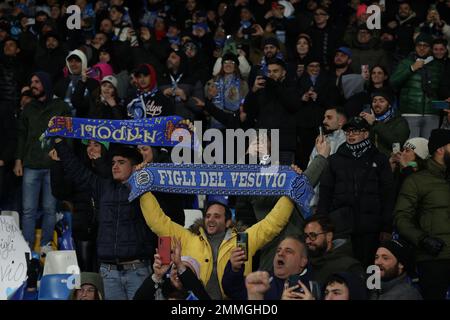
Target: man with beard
271,49
51,56
179,86
386,127
404,26
422,216
33,163
394,259
357,192
333,120
326,254
272,104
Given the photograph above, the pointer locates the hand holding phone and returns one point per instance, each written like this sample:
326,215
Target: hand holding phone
293,281
396,147
242,242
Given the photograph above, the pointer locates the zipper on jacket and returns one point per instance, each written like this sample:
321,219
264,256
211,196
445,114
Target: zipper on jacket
117,229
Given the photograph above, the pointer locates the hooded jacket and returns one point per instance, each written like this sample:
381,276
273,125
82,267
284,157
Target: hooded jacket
74,91
150,102
196,244
33,122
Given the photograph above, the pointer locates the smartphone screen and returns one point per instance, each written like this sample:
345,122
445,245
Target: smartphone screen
242,242
293,281
164,249
396,147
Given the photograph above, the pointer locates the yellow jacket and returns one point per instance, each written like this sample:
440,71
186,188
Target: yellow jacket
197,245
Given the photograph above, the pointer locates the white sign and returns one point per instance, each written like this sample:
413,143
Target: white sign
13,264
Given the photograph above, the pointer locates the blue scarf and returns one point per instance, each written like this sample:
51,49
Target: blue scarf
228,96
386,116
158,131
220,179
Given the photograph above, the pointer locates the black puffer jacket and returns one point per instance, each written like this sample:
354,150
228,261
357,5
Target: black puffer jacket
12,77
358,194
122,232
311,112
274,107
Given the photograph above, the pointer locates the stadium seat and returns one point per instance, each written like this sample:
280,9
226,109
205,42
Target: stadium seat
60,262
54,287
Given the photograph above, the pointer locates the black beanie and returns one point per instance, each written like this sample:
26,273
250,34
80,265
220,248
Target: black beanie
385,94
230,56
402,253
273,41
438,138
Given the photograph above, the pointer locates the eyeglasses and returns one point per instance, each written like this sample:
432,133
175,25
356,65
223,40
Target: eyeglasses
424,45
312,235
229,62
354,131
320,14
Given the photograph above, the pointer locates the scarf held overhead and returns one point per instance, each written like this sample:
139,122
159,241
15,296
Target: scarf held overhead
223,179
160,131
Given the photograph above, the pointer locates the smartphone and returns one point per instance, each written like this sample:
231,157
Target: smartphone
164,246
396,147
242,242
440,105
293,281
248,31
320,131
429,59
367,109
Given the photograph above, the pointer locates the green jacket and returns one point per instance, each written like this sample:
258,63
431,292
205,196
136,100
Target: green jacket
412,96
423,209
32,123
384,134
335,261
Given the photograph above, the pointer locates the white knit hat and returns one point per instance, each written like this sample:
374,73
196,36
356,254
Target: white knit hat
419,146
